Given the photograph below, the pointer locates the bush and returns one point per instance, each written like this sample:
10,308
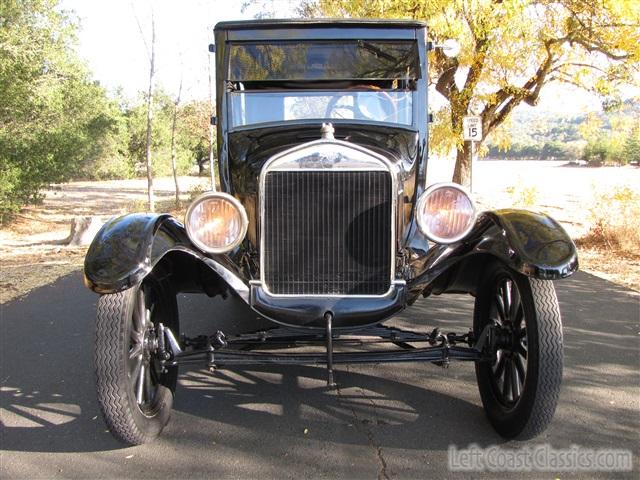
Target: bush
631,150
601,151
116,167
615,217
9,201
523,195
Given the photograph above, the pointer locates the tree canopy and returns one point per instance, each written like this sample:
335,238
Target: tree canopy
58,124
52,116
511,49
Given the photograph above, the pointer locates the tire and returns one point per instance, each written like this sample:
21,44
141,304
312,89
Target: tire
134,394
531,337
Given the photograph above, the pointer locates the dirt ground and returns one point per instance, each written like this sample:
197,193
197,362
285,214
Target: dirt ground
31,253
31,249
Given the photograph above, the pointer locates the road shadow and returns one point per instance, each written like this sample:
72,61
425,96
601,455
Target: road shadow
48,398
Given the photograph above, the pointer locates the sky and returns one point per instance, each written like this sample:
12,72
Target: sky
115,38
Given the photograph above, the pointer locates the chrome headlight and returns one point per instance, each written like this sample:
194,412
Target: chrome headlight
216,222
445,213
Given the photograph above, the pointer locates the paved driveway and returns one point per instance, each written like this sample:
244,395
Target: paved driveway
385,421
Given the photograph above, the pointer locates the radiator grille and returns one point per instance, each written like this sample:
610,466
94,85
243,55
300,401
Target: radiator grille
327,233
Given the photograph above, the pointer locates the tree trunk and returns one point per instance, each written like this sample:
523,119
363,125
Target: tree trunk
83,229
462,169
150,195
173,144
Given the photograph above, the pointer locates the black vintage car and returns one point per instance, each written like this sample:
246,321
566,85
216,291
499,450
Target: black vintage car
326,226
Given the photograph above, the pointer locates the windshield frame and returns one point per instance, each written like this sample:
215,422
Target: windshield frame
318,92
408,84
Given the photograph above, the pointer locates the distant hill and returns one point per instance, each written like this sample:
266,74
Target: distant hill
542,135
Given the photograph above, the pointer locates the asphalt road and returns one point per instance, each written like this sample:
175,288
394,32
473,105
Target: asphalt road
385,421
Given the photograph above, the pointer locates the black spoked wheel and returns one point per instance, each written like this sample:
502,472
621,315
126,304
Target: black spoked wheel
134,390
520,386
509,369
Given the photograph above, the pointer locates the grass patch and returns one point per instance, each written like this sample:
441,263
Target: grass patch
611,247
615,221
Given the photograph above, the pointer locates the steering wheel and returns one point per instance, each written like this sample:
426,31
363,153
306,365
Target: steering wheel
392,115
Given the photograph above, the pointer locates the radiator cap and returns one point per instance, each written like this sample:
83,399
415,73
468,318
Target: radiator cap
327,131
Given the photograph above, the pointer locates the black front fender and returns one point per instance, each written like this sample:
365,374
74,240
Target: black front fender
127,248
533,244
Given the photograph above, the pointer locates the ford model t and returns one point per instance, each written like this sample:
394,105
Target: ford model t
326,226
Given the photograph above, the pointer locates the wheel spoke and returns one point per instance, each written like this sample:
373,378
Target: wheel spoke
140,384
522,349
135,351
135,372
500,364
506,296
506,384
515,381
514,305
148,387
520,365
500,307
135,337
139,314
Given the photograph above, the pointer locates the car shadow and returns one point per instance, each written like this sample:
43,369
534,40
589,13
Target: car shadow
48,400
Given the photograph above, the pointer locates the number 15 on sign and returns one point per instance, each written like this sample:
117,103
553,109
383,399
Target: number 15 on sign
472,129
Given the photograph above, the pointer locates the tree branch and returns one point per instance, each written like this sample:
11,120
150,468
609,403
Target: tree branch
446,80
482,44
577,64
595,46
566,80
510,96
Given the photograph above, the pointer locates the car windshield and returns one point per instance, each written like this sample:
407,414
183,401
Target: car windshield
314,80
346,60
378,106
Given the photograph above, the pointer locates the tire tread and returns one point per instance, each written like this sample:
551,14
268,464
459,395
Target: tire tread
110,330
550,357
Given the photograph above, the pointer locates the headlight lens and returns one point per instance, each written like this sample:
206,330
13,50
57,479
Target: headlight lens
216,222
445,213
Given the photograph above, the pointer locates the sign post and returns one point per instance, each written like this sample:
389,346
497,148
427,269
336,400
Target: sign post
472,132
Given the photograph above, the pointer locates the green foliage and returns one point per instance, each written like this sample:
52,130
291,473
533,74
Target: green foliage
552,150
631,150
192,133
193,130
107,158
523,195
57,124
52,116
599,137
511,49
613,137
597,151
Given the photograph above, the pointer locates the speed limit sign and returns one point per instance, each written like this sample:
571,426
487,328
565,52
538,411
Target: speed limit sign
472,129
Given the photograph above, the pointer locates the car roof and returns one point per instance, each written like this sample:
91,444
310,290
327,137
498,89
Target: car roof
318,23
318,29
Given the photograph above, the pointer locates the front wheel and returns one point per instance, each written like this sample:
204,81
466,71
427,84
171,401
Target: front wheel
520,386
135,390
